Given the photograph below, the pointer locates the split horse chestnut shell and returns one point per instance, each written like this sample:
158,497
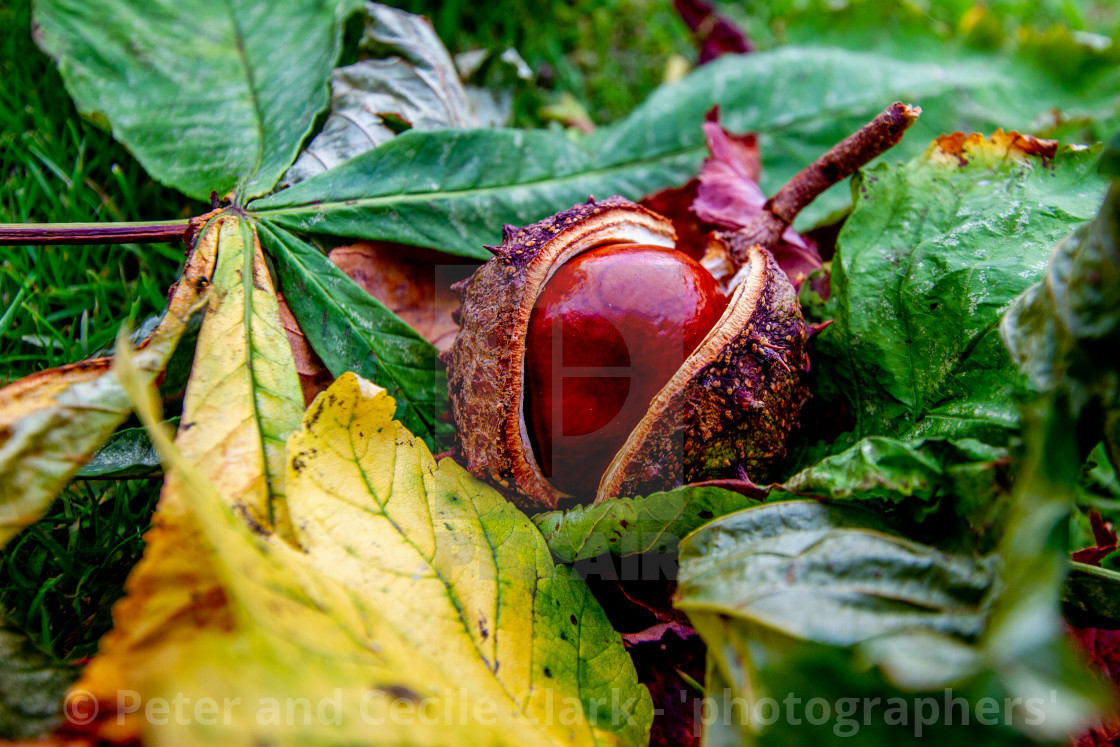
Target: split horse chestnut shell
727,409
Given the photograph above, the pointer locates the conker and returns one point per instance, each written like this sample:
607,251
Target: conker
609,329
725,408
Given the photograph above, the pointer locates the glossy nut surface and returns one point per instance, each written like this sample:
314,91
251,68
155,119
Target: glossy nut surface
609,329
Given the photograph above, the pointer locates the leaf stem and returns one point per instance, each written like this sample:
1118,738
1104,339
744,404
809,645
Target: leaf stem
12,234
842,160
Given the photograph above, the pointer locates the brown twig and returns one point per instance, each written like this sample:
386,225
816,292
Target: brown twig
842,160
14,234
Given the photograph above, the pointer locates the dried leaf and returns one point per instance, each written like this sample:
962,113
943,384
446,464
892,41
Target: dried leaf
728,196
415,284
313,375
414,82
1106,541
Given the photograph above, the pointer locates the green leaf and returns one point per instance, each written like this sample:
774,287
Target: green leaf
791,596
352,331
828,573
208,96
452,191
31,686
878,471
1091,596
968,475
933,254
890,470
1061,329
127,454
420,601
627,526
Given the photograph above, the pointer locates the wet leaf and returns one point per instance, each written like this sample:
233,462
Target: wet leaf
1093,593
351,330
933,254
830,574
878,472
127,454
627,526
410,77
1061,329
912,478
829,602
208,96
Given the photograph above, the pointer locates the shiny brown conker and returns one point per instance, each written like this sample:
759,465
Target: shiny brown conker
608,331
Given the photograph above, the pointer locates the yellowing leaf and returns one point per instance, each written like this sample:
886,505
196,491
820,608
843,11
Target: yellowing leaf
957,148
244,398
242,401
52,421
422,608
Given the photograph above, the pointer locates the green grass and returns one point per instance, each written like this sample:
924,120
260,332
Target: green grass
65,303
608,54
60,577
62,303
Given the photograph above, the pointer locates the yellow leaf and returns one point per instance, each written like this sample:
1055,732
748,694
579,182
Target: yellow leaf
242,401
421,608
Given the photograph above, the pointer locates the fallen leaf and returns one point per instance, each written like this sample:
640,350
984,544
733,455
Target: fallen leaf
959,148
31,685
421,603
313,375
675,204
413,283
52,422
242,401
352,331
1102,649
410,79
728,197
715,34
243,398
1106,540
